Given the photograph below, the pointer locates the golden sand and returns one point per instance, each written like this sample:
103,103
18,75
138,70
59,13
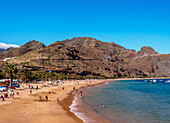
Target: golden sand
28,108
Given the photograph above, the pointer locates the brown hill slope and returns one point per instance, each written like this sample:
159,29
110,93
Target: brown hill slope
31,45
88,56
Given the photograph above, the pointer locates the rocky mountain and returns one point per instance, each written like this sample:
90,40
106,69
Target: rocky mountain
88,56
10,48
2,50
30,46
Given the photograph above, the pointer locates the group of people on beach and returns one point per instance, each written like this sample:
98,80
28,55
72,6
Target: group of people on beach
46,98
5,95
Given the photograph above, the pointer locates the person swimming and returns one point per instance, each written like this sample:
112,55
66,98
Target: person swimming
101,106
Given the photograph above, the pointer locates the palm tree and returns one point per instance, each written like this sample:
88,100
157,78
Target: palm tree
53,76
43,76
11,70
48,76
26,75
37,75
1,74
68,76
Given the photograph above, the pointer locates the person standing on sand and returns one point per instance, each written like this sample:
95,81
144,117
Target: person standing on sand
81,93
30,91
37,87
46,98
40,98
74,88
58,100
2,98
12,94
6,95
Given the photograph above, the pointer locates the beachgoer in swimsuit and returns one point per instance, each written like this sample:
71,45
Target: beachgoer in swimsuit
74,88
81,93
12,94
101,106
40,98
2,98
58,100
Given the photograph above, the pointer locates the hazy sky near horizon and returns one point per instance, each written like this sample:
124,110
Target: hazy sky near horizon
129,23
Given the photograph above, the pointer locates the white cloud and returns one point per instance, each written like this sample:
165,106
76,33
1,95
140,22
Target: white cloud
5,46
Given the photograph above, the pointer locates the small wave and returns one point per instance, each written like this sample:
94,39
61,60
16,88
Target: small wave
76,111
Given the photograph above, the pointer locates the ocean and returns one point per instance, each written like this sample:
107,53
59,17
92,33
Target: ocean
127,101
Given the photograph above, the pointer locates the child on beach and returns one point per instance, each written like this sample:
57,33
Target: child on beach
30,91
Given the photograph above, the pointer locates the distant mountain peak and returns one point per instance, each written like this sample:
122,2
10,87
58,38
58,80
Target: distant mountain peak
2,50
57,43
29,46
33,43
147,50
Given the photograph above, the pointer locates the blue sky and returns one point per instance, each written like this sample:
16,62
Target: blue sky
129,23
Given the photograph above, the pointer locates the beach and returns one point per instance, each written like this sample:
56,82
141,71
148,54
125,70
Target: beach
27,107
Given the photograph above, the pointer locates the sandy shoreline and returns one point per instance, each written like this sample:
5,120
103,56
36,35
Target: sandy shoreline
27,108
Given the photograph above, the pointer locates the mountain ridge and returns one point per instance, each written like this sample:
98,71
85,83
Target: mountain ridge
89,56
2,50
29,46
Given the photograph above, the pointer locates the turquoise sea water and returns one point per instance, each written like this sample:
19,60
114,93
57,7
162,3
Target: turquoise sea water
130,101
